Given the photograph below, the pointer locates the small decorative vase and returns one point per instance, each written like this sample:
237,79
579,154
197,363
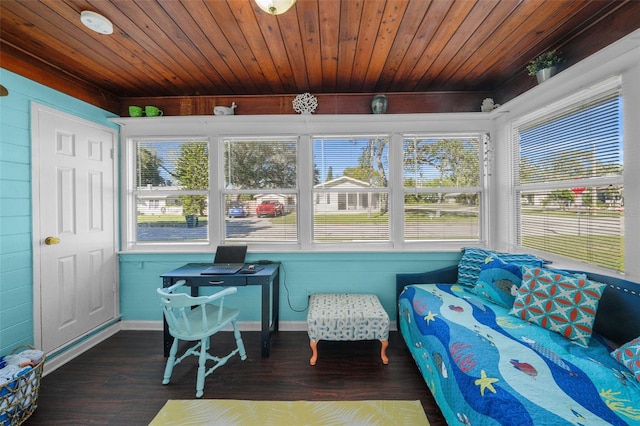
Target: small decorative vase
546,73
379,104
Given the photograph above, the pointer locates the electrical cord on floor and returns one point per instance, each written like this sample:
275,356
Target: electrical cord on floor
284,283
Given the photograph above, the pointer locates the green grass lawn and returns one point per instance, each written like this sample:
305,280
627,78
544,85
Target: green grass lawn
377,218
596,250
333,218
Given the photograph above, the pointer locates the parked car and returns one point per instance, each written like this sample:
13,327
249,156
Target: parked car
237,211
269,208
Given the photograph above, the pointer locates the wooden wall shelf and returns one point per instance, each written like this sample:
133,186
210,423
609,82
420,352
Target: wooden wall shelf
399,103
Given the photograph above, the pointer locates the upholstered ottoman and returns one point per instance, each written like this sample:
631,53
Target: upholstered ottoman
341,317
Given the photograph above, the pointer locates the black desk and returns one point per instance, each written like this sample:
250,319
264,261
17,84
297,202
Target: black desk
268,278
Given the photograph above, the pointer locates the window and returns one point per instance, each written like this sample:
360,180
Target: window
569,180
351,190
328,183
170,188
261,178
442,187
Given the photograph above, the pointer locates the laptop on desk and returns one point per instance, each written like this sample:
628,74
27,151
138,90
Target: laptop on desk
228,260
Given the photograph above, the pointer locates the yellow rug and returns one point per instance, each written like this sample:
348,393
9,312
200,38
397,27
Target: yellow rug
230,412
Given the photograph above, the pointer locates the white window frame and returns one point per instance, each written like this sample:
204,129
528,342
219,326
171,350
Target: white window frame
484,141
619,59
215,129
223,191
325,195
130,193
571,102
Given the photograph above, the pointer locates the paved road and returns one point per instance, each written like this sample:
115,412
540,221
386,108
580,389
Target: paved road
567,225
251,227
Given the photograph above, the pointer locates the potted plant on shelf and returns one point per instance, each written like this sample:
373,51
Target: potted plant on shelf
545,66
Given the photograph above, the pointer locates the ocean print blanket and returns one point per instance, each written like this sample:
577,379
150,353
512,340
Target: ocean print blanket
486,367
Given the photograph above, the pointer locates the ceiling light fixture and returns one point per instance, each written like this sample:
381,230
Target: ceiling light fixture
275,7
96,22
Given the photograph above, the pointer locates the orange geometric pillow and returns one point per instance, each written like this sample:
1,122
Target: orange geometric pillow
560,302
629,356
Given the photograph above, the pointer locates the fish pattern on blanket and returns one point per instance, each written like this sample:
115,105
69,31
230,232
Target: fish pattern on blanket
486,367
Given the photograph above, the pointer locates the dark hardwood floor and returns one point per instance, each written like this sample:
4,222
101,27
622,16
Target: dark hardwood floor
119,381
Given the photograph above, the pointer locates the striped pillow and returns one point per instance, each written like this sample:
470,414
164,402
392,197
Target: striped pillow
473,258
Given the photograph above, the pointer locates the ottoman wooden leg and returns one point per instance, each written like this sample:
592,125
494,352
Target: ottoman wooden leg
383,352
314,352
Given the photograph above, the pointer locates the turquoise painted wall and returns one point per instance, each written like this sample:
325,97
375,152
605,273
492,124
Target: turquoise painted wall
301,274
16,256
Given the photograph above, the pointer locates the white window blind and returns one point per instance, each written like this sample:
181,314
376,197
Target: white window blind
351,190
195,192
170,191
261,177
569,181
442,192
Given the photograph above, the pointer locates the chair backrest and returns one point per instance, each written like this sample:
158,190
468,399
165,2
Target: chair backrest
178,306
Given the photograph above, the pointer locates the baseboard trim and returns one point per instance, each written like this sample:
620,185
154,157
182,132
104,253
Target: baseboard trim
67,354
141,325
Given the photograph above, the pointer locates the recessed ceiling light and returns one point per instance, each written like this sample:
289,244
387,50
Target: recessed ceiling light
96,22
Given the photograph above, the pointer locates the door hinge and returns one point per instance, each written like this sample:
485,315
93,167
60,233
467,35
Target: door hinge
112,153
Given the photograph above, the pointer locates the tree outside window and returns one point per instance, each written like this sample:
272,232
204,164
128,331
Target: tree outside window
192,172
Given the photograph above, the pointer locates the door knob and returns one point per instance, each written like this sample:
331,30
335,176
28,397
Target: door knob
51,241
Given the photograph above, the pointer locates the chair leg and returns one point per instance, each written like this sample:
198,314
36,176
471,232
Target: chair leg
201,367
170,362
239,342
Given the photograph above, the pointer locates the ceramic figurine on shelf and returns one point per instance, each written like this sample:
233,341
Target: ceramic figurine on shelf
488,105
223,110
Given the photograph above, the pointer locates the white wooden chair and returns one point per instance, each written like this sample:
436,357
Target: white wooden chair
197,319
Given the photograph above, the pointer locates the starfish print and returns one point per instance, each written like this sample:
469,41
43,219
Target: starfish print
430,317
485,383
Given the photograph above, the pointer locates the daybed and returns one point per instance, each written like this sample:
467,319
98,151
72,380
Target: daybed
518,345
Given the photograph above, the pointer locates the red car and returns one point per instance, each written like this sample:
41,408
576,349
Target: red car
269,208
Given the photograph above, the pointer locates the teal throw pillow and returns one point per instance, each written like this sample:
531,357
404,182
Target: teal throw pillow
499,281
470,264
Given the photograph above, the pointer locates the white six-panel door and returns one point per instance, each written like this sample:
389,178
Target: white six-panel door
75,289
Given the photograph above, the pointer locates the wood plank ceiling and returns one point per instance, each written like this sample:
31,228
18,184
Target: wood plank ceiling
196,47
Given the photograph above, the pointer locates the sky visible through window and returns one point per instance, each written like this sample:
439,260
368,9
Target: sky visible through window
332,156
338,155
591,133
